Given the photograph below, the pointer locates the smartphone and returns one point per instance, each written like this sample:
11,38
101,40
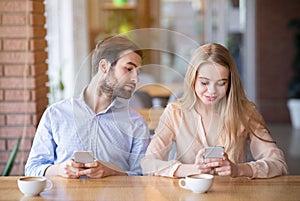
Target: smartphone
214,152
83,156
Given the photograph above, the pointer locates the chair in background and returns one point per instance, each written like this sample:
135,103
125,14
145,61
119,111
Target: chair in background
176,95
151,116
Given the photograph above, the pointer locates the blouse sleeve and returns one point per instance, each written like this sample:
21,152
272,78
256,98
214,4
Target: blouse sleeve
268,158
156,161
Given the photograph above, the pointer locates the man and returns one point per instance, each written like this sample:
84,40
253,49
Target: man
99,120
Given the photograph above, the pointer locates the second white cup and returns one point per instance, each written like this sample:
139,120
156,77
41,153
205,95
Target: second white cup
198,183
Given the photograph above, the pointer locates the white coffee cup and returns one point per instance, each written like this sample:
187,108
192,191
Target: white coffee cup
198,183
33,186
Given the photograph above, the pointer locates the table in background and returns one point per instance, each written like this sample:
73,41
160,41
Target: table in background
162,93
158,188
162,90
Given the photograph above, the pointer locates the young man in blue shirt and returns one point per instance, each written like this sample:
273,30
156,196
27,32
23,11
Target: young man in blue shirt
99,120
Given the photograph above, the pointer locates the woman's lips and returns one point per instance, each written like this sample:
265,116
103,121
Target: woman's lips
211,98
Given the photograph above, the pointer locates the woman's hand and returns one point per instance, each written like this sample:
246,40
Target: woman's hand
220,166
200,163
223,166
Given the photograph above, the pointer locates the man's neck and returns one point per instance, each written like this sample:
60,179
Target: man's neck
96,100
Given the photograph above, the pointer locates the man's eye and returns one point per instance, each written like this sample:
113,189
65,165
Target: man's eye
129,68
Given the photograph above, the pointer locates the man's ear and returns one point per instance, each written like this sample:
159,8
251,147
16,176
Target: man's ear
103,66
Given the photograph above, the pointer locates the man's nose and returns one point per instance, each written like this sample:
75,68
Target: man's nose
134,76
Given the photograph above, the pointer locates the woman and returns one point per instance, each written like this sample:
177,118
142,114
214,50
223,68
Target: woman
213,111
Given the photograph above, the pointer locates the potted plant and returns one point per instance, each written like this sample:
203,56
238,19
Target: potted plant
11,160
294,85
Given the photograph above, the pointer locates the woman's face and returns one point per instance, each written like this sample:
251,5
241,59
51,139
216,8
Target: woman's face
211,83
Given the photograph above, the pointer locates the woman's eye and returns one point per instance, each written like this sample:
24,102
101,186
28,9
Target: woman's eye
221,83
204,83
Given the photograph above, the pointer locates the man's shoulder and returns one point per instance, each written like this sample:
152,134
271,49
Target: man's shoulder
62,105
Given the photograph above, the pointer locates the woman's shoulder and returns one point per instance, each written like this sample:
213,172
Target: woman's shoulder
175,109
174,106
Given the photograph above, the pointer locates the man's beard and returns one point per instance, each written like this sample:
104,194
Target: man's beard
113,88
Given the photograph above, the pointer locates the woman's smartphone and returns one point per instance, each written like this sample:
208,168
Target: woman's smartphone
214,152
83,156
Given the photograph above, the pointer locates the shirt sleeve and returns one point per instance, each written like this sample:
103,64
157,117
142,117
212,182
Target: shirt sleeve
41,155
268,158
156,160
139,147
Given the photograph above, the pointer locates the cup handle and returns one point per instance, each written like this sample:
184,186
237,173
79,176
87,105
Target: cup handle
182,180
49,185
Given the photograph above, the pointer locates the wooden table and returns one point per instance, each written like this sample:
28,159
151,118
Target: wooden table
158,189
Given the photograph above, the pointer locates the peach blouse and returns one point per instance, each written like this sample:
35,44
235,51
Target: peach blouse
185,128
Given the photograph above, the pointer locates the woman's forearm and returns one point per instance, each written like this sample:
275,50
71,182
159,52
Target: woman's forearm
186,169
244,170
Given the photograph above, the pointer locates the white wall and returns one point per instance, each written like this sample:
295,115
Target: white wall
67,46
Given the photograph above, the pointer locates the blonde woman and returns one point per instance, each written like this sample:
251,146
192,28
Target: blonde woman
213,111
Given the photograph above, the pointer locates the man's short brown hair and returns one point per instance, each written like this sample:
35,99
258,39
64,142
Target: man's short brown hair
111,48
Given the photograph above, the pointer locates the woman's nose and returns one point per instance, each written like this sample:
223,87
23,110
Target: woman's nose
211,89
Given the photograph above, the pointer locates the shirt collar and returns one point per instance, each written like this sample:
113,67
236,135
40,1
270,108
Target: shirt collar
118,103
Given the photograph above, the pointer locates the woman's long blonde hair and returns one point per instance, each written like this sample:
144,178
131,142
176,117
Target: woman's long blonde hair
235,109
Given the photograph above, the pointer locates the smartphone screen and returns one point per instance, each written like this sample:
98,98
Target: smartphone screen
214,152
83,156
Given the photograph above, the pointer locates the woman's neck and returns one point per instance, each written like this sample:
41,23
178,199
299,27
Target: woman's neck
210,120
204,110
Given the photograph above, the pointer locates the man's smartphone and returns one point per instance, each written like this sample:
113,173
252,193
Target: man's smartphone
83,156
214,152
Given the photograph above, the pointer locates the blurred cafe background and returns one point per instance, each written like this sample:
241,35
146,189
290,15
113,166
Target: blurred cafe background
46,46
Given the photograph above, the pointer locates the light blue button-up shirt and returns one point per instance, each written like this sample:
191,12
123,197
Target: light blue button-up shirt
117,135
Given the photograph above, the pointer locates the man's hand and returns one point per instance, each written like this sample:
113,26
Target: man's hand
68,169
100,169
